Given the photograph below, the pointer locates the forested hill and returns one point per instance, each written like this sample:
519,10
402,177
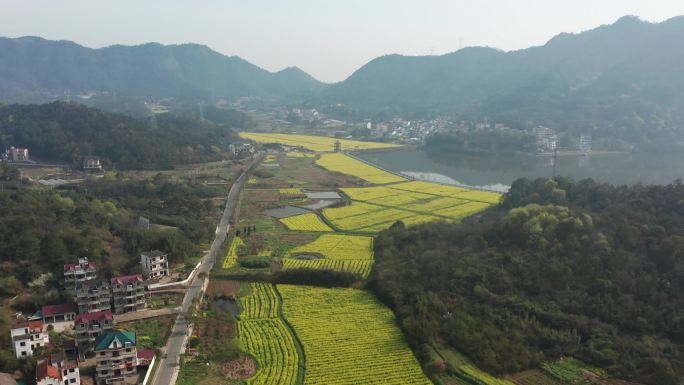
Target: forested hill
35,70
561,268
67,132
624,79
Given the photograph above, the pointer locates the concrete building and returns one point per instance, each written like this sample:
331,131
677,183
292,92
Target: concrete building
27,337
92,164
75,273
238,149
57,371
89,326
58,313
116,358
128,293
155,264
16,154
93,296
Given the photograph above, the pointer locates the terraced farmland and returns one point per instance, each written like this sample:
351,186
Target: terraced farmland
314,143
347,165
338,246
305,222
349,338
265,335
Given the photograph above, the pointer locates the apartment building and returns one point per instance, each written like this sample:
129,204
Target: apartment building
128,293
89,326
75,273
93,296
116,358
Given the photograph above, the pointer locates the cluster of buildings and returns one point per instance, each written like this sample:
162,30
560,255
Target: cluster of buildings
92,320
16,154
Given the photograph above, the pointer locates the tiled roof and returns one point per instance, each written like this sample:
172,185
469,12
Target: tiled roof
71,267
49,310
145,354
45,370
154,253
102,342
87,318
33,324
124,279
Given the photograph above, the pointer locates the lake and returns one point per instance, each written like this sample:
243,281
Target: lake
496,172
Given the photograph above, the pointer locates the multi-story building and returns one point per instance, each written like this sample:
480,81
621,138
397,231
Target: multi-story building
57,371
75,273
155,264
116,358
27,337
128,293
93,296
92,164
16,154
89,326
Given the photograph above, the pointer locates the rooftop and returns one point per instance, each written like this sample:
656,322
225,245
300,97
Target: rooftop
87,318
154,253
102,342
124,279
45,370
50,310
71,267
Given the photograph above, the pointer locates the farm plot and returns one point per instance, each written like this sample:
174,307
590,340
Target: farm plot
346,165
532,377
261,304
265,335
372,219
336,246
232,256
476,376
573,371
385,195
360,267
314,143
349,338
462,211
300,155
305,222
355,209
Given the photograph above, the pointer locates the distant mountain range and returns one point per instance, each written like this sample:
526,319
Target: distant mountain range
34,69
624,80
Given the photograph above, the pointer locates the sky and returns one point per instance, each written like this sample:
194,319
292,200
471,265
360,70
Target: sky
329,39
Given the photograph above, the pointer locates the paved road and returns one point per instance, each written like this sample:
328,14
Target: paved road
169,366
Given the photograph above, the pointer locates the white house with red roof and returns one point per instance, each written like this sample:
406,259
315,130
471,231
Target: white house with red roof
57,371
128,293
28,336
75,273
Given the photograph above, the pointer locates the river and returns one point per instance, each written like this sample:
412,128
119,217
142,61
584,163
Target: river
496,172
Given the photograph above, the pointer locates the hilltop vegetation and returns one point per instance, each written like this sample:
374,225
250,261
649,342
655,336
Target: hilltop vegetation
561,268
68,132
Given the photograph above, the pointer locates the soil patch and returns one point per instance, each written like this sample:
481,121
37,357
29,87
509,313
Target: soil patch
307,257
226,305
239,368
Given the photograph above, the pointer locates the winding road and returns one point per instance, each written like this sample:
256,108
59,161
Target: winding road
169,365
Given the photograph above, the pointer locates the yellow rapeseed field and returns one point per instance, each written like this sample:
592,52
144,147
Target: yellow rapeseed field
349,253
349,166
305,222
314,143
349,338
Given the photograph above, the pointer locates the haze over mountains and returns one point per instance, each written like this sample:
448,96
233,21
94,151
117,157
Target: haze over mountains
626,77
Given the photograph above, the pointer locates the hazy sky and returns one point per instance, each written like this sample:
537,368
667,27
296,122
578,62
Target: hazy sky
327,38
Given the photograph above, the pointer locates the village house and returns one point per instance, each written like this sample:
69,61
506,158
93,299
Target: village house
58,313
155,264
57,371
116,358
238,149
92,164
128,293
75,273
93,296
28,336
16,154
89,326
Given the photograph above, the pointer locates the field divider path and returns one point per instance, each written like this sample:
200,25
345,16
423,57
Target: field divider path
301,373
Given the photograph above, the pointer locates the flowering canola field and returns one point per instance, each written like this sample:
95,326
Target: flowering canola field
347,165
314,143
265,335
349,338
305,222
231,257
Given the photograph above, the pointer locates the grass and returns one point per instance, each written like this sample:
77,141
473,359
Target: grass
349,338
151,332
